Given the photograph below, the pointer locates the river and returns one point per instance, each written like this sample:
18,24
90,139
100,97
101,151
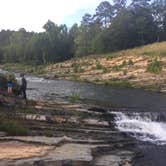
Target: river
61,90
141,114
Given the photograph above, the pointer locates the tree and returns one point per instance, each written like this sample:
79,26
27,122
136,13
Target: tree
159,14
119,5
104,13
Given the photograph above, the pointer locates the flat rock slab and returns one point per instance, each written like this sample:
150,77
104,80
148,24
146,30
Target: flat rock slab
40,139
12,150
74,152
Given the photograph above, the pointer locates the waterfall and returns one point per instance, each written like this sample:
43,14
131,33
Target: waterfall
146,126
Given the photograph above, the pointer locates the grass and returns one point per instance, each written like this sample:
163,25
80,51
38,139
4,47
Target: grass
74,97
13,127
152,87
119,67
119,83
99,66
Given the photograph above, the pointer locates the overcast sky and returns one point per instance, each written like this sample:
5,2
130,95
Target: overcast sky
33,14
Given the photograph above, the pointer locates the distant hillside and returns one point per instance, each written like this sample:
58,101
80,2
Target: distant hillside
141,67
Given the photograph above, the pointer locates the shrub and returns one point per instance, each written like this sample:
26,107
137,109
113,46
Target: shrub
116,68
81,70
154,66
105,70
75,67
124,63
98,65
130,62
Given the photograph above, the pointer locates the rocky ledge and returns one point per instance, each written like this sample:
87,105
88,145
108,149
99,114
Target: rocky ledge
61,134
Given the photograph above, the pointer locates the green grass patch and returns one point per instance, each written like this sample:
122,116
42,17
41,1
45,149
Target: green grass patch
13,127
74,97
119,83
152,87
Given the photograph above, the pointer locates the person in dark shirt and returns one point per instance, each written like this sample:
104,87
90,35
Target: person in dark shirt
23,86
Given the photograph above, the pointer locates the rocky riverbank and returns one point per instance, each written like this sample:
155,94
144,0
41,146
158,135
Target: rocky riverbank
62,134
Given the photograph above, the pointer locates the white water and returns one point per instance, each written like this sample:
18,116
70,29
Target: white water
142,127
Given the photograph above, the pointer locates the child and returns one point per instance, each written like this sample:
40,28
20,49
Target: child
10,87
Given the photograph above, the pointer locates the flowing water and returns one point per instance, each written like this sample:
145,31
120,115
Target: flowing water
146,123
149,126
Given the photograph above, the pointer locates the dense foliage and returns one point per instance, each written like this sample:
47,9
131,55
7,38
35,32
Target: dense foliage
113,27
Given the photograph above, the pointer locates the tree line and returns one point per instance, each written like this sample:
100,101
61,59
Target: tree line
113,27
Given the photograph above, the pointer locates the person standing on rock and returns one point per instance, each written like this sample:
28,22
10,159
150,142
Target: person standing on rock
23,86
9,87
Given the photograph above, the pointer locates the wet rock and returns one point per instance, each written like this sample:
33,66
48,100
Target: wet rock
96,122
2,134
121,158
108,160
67,163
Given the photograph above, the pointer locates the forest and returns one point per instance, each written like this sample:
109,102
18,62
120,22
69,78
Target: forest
112,27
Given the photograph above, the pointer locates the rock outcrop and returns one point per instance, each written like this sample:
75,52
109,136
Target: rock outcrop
63,135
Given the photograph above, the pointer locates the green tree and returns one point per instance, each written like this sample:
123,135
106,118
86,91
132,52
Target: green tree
104,13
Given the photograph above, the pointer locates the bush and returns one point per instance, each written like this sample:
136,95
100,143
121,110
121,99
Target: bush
154,66
124,63
12,127
98,65
130,62
116,68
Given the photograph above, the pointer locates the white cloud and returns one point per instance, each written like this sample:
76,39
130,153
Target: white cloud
33,14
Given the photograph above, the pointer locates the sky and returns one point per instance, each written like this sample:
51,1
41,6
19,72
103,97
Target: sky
33,14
